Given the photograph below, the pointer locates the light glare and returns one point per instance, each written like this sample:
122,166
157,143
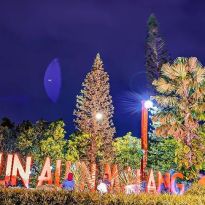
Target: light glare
99,116
148,104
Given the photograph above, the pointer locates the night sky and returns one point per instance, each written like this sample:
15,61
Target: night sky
33,33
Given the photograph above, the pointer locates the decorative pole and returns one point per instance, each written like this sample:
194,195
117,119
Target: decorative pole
144,138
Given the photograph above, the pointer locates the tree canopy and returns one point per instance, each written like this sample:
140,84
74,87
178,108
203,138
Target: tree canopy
181,102
94,112
127,151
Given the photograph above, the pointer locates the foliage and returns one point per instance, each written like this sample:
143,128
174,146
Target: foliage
95,99
41,140
127,150
7,136
54,197
196,189
183,163
181,102
77,147
30,136
48,187
127,177
155,51
53,144
161,153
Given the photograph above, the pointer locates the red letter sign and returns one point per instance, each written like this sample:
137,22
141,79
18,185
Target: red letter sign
151,186
18,169
180,186
46,175
58,173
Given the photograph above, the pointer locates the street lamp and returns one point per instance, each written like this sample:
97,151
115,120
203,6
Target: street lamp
99,116
144,134
148,104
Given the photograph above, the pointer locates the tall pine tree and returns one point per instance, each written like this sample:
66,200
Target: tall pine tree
94,112
155,51
156,56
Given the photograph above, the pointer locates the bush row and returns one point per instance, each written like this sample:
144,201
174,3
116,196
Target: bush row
17,196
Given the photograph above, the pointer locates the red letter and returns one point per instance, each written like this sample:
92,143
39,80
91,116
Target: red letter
113,176
18,169
8,167
180,186
138,178
58,173
1,181
163,180
151,186
67,170
89,176
45,173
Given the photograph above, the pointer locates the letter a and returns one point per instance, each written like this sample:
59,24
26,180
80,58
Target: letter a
46,175
151,186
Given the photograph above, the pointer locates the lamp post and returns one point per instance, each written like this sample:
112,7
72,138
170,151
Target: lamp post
144,134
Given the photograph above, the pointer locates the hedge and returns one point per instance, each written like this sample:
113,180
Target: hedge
12,196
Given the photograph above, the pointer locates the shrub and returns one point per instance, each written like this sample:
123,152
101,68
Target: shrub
196,189
48,187
14,196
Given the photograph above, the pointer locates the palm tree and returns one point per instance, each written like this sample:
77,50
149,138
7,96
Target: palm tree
181,101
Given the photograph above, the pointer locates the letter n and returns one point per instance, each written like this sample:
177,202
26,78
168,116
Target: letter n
89,175
163,180
8,167
18,169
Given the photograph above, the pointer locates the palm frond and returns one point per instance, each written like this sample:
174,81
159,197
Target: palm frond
163,86
192,63
166,71
166,101
200,75
179,70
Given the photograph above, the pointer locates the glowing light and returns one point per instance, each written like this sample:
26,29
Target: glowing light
99,116
148,104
